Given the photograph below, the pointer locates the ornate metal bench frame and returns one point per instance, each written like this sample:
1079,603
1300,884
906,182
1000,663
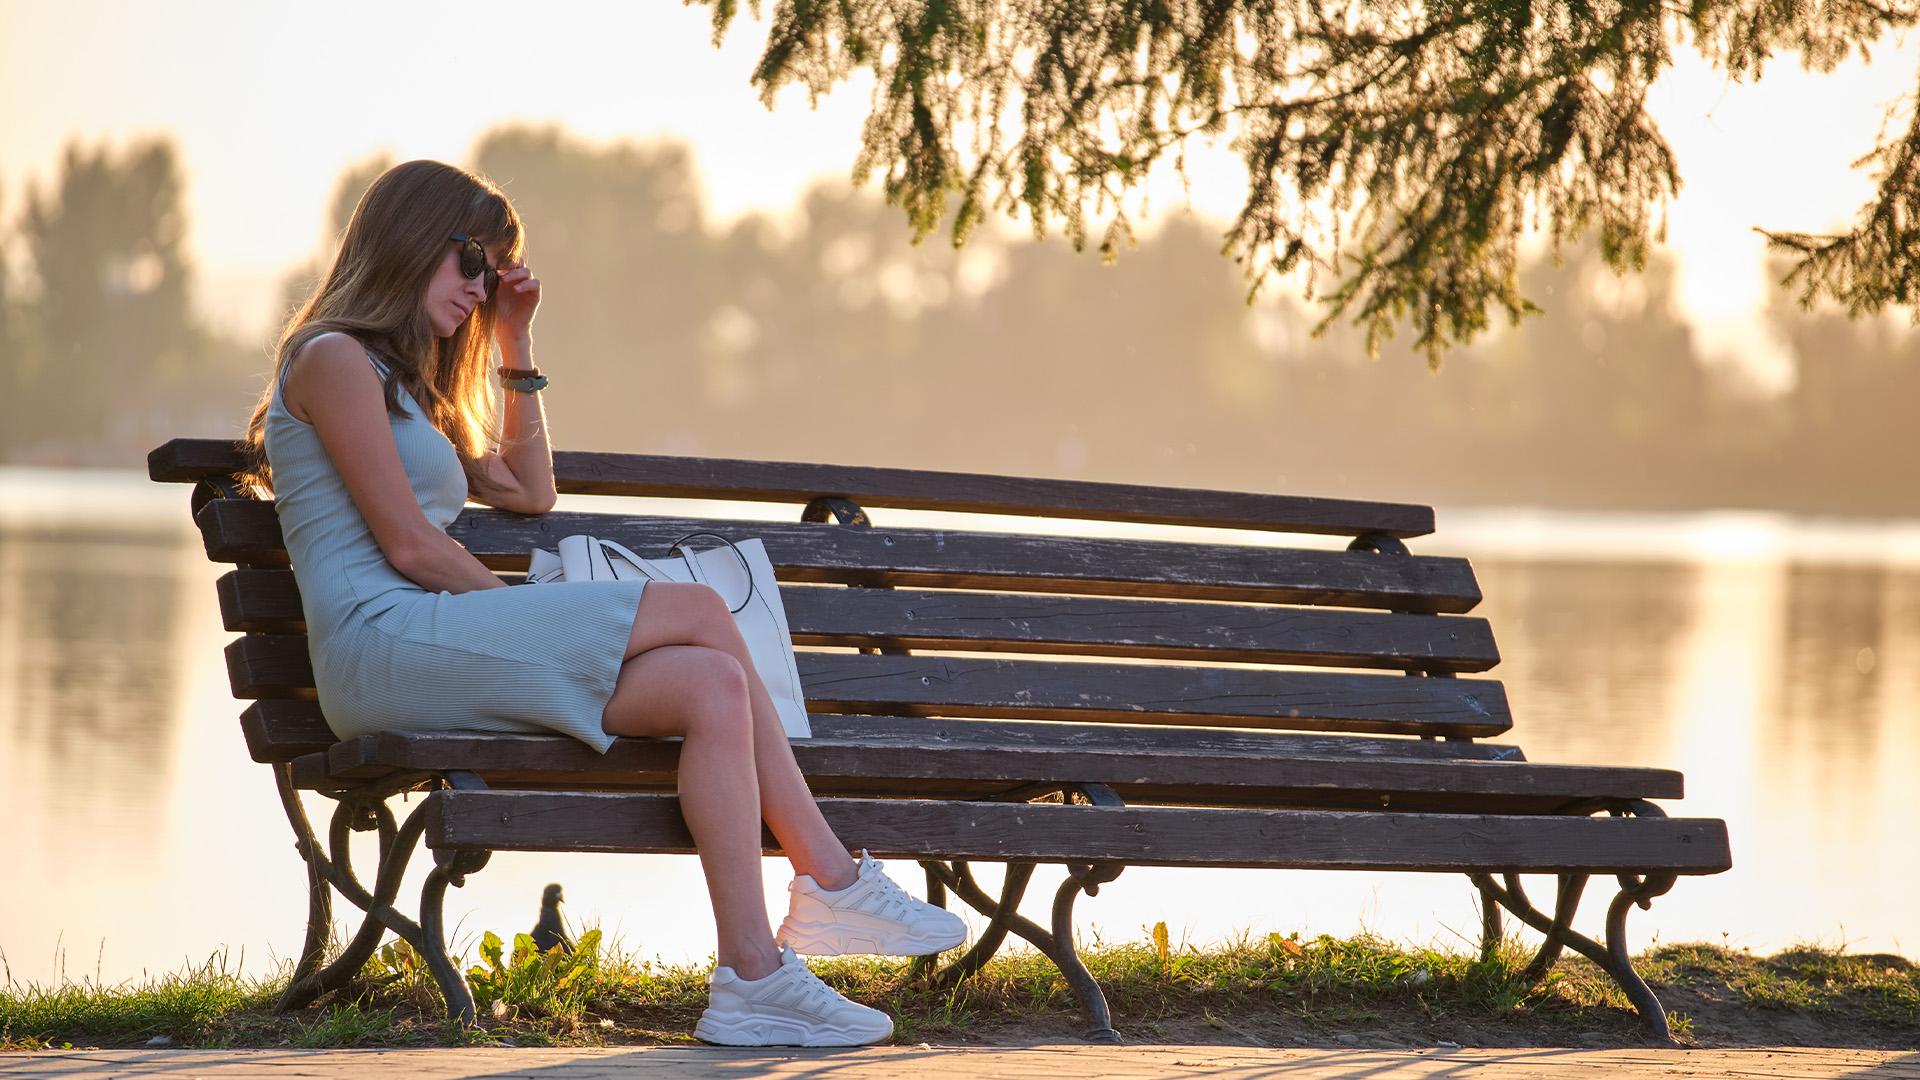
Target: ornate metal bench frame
365,809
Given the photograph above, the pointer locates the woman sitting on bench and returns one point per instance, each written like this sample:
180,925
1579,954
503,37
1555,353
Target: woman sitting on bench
374,432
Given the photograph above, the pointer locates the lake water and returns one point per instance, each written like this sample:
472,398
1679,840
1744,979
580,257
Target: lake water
1775,662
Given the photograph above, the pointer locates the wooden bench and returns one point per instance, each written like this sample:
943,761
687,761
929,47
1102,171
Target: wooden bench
1200,726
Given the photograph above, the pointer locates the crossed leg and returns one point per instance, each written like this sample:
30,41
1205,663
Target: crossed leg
688,673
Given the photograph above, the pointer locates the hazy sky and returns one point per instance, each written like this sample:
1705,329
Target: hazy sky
269,104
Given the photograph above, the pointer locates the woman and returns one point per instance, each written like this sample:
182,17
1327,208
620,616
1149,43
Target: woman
374,432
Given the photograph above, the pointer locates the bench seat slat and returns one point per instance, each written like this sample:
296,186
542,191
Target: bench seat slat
1141,836
244,531
268,601
930,764
578,472
282,730
1149,738
278,666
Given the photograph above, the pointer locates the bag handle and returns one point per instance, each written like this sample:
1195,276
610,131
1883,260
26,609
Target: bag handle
686,557
608,549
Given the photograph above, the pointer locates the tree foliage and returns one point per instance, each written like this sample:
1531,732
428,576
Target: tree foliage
1396,150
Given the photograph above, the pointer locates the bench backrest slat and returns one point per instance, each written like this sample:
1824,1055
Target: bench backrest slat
261,666
577,472
268,601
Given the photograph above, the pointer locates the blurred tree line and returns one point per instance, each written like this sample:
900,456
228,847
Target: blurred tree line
829,337
105,352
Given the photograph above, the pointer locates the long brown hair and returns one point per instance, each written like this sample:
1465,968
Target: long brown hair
376,291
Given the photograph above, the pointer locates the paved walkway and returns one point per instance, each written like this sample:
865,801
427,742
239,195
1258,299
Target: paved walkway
960,1063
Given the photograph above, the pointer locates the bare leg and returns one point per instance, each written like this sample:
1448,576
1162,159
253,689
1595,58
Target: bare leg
786,802
695,615
701,695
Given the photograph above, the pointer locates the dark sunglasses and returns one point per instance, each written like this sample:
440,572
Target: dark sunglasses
473,262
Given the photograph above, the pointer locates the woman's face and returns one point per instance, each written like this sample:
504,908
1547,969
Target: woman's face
452,297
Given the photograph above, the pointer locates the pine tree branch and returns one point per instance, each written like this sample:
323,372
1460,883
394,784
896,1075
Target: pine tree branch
1396,145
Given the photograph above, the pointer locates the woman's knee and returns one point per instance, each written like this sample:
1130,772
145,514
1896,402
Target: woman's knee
680,690
681,613
723,704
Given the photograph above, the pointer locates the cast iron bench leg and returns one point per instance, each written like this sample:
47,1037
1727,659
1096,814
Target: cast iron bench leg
1000,913
1085,878
1057,945
319,893
362,810
1635,889
1004,916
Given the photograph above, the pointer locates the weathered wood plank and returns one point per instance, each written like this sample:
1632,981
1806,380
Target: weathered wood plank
1142,836
1126,693
254,601
655,475
268,601
1149,738
281,730
276,666
242,531
928,765
262,665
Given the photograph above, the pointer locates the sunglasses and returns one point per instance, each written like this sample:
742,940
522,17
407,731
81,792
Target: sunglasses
473,262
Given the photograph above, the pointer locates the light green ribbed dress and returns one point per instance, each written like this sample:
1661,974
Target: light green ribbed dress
390,656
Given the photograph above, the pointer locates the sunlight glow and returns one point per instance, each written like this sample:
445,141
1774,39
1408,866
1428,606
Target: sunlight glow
268,110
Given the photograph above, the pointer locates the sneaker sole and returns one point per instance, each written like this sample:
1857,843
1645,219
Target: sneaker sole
816,939
759,1031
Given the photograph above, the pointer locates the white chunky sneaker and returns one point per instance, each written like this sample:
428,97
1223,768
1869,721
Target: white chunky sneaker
872,915
790,1007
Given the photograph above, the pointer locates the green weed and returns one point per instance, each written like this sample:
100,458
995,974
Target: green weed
349,1024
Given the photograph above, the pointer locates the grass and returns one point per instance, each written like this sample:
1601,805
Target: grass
1262,990
189,1004
1811,979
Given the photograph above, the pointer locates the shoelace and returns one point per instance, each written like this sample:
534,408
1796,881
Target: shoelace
815,992
894,899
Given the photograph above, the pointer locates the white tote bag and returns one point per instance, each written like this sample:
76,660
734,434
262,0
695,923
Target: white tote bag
740,572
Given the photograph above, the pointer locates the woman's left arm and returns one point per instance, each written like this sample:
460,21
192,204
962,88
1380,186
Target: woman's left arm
519,478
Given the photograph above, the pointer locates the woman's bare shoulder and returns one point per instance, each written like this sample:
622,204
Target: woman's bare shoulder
330,348
329,364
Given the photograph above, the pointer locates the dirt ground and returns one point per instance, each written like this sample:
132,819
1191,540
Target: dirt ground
1705,1015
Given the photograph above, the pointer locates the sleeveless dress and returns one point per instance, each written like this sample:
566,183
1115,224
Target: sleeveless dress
390,656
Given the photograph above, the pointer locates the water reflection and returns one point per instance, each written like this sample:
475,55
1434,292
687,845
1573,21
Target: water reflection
1588,651
1829,676
1784,687
86,662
